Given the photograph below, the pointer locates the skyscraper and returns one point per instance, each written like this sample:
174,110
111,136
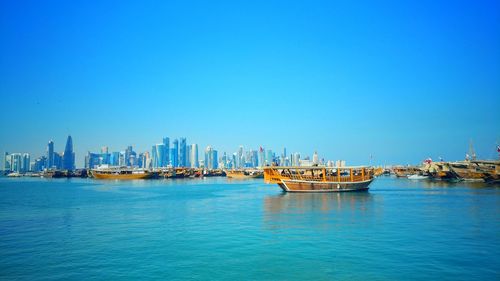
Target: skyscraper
188,155
261,162
25,165
160,156
211,161
241,161
269,157
50,155
16,162
69,155
58,161
182,152
114,158
315,158
129,153
296,159
194,156
154,158
175,154
166,151
7,164
215,158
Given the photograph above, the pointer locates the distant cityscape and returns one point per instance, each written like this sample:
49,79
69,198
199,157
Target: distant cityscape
166,154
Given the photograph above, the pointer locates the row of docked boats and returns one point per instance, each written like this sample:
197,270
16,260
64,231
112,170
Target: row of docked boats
290,179
127,173
468,170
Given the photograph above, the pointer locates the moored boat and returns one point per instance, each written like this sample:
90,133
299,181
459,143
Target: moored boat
121,173
244,174
404,172
320,179
467,170
417,177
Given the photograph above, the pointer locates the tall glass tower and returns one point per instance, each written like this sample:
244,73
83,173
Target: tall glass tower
175,154
166,151
194,155
69,155
160,155
182,152
50,155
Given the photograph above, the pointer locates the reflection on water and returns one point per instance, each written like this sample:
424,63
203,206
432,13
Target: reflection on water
314,202
288,209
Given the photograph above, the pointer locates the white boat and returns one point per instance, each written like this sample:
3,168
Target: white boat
14,175
417,177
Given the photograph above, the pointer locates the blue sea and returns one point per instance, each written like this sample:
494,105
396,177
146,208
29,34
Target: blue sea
218,229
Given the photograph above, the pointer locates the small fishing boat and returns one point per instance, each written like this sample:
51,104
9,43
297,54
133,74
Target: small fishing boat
319,179
417,177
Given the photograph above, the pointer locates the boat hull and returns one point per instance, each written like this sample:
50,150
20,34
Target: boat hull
121,176
310,186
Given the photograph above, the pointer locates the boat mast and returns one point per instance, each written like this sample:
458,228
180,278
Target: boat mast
472,153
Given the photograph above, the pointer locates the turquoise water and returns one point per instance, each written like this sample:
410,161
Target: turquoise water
215,229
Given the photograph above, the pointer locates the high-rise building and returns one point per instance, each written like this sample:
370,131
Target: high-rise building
255,158
174,155
128,153
114,159
182,152
7,164
269,157
296,159
146,160
91,160
159,154
215,158
121,159
25,165
50,155
234,160
154,158
315,159
188,155
166,151
211,161
69,155
241,161
58,161
40,163
16,162
194,156
261,160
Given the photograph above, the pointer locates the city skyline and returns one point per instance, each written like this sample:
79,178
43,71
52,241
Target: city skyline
398,84
162,155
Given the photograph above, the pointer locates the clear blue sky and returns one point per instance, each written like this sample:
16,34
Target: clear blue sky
401,80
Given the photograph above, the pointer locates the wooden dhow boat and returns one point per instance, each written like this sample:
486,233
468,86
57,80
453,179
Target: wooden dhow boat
467,170
319,179
244,174
121,173
404,172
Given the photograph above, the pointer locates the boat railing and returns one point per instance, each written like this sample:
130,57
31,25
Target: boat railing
320,174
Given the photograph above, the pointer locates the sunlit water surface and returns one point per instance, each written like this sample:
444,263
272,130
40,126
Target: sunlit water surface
217,229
